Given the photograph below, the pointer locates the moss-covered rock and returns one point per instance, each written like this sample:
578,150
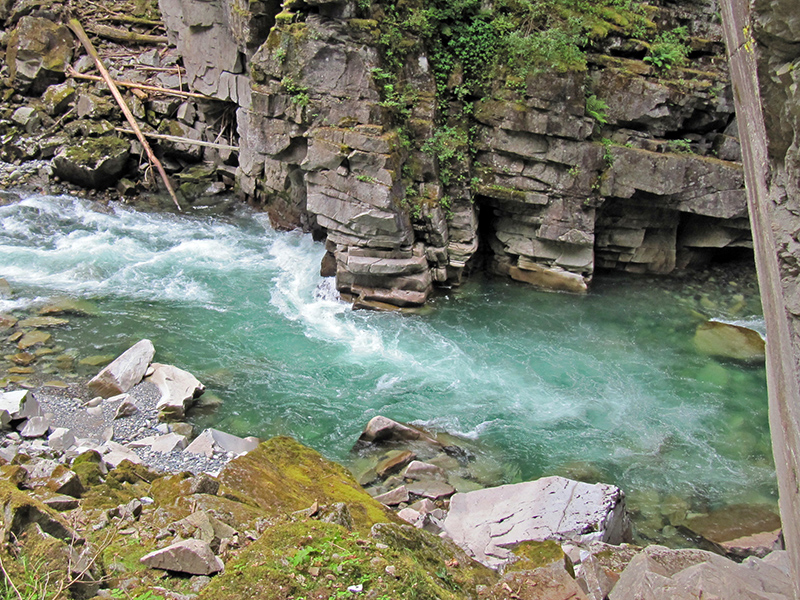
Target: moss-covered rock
282,476
93,162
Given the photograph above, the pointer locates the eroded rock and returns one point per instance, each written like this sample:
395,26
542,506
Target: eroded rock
125,371
179,389
188,556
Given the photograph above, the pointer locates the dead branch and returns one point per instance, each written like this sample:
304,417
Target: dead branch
149,88
77,29
182,140
116,34
115,18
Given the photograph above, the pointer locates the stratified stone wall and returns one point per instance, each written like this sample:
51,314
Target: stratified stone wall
544,193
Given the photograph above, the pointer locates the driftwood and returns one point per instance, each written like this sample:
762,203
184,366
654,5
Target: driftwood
77,29
115,18
182,140
129,37
141,86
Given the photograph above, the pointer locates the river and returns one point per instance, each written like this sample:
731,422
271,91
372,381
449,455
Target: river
606,386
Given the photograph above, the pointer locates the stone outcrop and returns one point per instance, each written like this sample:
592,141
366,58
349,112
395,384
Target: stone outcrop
488,523
531,183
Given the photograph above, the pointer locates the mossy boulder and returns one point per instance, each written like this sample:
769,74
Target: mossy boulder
38,53
93,162
282,476
20,510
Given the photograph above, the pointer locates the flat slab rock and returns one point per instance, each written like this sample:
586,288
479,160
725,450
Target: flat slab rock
125,371
487,523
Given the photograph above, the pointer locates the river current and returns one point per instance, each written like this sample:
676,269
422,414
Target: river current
606,387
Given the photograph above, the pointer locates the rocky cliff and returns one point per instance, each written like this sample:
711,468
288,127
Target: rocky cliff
422,144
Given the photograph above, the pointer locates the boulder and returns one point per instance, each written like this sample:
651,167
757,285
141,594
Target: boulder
551,582
61,439
96,162
188,556
178,388
126,408
431,488
660,573
35,427
169,442
124,372
20,510
57,98
214,440
19,404
38,54
486,523
394,462
382,430
725,340
393,497
421,470
741,530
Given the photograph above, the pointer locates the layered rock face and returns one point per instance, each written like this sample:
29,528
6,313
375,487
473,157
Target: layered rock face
523,178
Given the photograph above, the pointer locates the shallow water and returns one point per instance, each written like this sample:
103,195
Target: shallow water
606,386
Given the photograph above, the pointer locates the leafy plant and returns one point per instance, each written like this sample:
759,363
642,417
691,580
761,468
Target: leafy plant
596,108
681,146
669,49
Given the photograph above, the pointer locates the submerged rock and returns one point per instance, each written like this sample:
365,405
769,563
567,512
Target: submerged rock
725,340
486,523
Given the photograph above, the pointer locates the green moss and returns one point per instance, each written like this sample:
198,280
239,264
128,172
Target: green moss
312,559
93,150
282,476
533,555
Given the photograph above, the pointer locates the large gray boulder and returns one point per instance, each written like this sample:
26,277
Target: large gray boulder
489,523
179,389
189,556
125,371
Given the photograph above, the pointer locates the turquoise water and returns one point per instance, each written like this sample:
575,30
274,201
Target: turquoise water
608,385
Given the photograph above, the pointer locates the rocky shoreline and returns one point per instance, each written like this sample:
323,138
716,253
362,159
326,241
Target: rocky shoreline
122,466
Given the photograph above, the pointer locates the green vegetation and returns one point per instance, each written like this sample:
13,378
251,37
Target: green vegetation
596,108
669,49
683,146
299,93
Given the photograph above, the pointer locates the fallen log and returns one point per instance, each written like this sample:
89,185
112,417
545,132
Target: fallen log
77,29
142,86
181,140
126,36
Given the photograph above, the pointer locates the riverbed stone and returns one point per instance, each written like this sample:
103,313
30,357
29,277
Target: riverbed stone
178,388
33,338
61,439
742,530
421,470
486,523
213,440
394,497
431,488
395,461
188,556
124,372
382,430
726,340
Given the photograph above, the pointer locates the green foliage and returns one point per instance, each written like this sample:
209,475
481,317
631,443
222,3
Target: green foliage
449,145
669,49
365,178
596,108
608,156
31,584
681,146
299,93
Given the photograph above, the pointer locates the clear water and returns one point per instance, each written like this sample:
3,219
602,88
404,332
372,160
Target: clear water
547,383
